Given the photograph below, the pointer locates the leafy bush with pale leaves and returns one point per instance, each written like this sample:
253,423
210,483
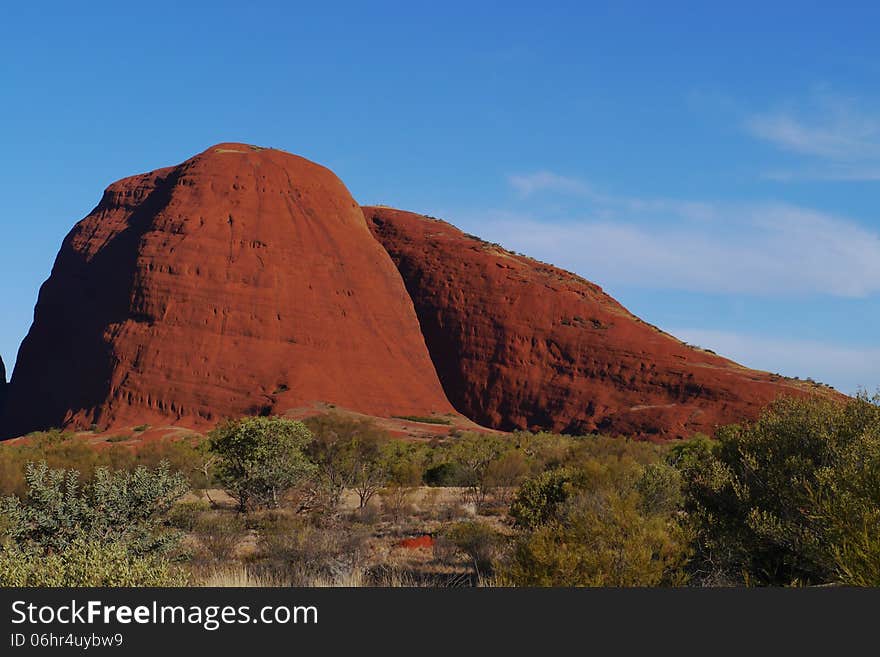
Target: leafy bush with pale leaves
116,506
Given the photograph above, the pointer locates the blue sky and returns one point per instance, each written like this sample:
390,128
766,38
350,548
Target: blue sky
715,169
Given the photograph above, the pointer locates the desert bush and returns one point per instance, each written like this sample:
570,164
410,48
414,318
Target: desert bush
62,450
404,474
116,506
600,539
306,550
185,515
86,563
591,526
477,541
260,458
397,502
451,511
790,498
538,500
505,473
447,474
476,453
219,533
660,487
349,455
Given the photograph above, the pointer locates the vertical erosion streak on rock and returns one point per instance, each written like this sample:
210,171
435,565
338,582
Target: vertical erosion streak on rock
244,280
519,344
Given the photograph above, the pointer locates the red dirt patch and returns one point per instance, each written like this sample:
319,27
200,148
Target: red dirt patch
424,541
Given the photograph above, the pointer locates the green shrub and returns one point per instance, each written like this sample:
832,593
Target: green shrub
660,487
539,500
446,474
65,451
260,458
600,540
790,498
116,506
86,563
608,522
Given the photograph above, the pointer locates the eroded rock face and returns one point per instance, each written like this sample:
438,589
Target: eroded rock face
519,344
2,385
243,280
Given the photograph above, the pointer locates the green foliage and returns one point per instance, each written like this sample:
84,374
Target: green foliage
260,458
791,498
606,522
404,463
86,563
600,540
425,419
660,489
446,474
538,500
349,455
64,450
120,506
110,531
477,454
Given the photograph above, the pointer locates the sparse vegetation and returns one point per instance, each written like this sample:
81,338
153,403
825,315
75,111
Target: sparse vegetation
791,499
110,531
425,419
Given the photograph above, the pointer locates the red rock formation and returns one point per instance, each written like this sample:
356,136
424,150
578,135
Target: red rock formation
2,385
244,280
519,344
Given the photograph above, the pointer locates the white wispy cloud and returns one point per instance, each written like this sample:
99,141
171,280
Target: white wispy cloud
546,181
847,368
840,138
766,249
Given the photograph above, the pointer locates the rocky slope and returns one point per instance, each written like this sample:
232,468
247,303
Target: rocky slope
519,344
244,280
2,385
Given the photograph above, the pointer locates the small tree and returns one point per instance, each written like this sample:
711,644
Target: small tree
405,473
260,458
476,453
349,455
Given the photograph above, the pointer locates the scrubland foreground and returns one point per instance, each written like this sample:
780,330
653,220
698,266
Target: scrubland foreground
792,499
